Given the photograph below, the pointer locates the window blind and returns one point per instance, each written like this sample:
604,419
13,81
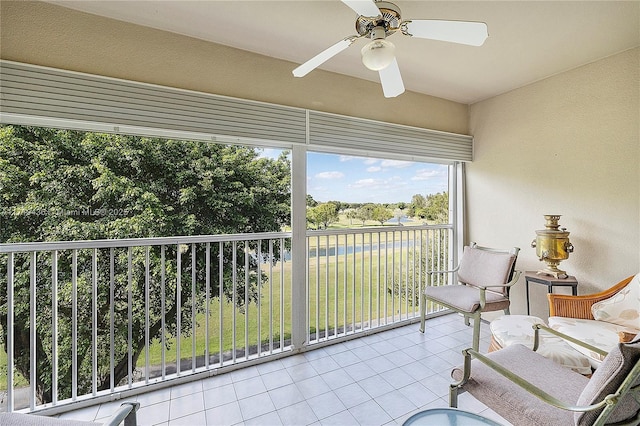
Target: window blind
30,93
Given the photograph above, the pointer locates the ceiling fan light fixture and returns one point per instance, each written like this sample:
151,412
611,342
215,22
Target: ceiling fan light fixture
378,53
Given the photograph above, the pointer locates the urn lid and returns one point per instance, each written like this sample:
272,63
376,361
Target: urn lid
552,228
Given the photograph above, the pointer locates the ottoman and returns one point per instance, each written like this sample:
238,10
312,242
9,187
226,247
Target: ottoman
510,329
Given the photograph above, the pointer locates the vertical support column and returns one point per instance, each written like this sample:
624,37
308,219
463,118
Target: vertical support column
298,246
456,211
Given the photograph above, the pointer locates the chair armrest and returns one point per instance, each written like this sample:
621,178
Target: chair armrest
514,279
126,413
536,339
524,384
562,305
445,272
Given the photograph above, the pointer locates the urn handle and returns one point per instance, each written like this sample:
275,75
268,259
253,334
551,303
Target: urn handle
533,243
544,255
568,246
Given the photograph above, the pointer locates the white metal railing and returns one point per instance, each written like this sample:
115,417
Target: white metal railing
111,317
361,279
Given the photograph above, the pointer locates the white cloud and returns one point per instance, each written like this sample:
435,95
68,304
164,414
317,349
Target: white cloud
374,169
367,183
370,161
330,175
426,174
344,158
396,164
377,184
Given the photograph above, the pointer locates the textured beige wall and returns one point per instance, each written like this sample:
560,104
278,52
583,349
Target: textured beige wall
568,145
49,35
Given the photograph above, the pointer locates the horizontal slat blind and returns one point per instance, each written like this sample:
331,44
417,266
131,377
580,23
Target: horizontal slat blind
46,92
338,131
34,91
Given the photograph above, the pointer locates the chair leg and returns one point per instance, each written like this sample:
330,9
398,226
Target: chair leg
423,311
453,396
476,332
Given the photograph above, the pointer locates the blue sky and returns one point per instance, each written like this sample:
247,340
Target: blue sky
370,180
364,180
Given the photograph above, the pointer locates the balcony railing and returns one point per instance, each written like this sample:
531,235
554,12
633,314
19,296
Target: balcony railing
84,321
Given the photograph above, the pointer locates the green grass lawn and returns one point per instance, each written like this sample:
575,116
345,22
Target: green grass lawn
330,300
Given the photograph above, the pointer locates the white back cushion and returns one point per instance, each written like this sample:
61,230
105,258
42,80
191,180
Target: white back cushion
623,308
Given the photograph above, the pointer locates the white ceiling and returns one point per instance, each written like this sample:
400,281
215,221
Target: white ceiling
528,40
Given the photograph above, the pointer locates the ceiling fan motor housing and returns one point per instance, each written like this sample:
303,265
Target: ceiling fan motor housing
390,19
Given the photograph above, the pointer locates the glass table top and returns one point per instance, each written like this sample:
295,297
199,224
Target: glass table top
448,416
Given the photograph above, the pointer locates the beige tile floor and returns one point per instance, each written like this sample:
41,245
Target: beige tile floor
380,379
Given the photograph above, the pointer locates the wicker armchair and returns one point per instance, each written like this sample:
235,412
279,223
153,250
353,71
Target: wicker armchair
572,315
561,305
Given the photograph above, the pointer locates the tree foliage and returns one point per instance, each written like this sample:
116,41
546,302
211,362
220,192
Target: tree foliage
365,213
433,207
323,215
310,201
60,185
417,205
381,214
437,209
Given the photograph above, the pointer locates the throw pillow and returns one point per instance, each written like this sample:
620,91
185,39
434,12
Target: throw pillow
606,380
623,308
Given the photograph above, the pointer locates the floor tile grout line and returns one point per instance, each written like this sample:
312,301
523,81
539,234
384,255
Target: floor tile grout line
347,354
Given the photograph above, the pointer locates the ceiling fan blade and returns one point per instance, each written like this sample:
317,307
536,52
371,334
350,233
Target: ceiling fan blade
363,7
323,56
463,32
391,80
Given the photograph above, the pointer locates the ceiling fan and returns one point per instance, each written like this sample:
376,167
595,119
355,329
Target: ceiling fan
380,19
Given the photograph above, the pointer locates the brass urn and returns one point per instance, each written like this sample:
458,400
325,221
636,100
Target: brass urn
552,246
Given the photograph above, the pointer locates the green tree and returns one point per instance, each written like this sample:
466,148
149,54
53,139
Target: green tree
381,214
60,185
416,208
365,213
322,215
351,214
339,205
310,201
437,208
328,213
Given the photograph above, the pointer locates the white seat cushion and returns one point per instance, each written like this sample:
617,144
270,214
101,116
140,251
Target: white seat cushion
601,334
623,308
511,329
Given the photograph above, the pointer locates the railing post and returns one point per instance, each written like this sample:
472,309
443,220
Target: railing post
10,331
299,325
